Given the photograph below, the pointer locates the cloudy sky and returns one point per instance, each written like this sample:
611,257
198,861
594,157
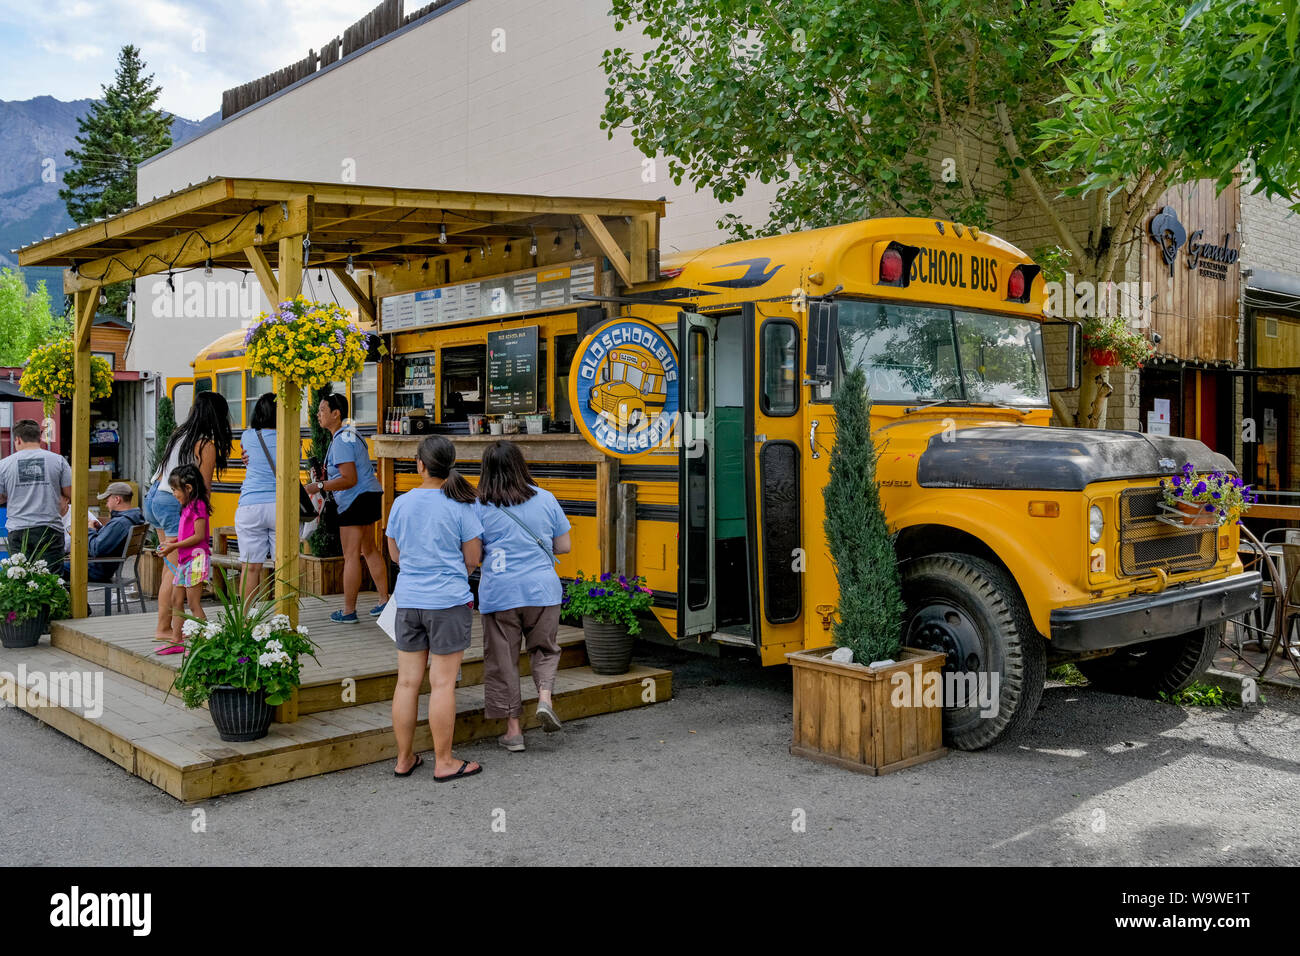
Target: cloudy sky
195,49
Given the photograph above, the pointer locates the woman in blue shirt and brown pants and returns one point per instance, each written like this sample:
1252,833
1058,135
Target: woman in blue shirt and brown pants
519,592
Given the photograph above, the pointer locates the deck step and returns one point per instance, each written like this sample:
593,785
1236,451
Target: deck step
356,664
178,750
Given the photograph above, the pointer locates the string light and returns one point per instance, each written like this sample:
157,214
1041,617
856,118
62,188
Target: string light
171,285
557,241
467,259
207,269
532,248
442,230
350,269
103,298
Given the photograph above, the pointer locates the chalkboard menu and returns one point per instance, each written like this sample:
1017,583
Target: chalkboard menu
512,371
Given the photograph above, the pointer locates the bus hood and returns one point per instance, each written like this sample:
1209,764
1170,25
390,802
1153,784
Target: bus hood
1030,458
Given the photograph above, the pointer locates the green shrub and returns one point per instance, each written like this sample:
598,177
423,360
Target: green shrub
870,610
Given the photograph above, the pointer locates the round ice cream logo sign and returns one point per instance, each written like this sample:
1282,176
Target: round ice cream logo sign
623,387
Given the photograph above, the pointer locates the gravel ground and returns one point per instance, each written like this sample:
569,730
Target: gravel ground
706,778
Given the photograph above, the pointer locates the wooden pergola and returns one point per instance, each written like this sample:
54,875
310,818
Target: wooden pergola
276,227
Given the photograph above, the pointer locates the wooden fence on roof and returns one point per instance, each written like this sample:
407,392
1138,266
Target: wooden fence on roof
378,23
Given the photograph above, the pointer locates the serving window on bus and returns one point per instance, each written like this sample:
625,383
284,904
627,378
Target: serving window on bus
914,353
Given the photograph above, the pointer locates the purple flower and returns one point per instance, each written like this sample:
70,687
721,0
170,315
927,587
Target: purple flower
11,617
1209,507
1199,489
242,660
622,580
594,592
1177,481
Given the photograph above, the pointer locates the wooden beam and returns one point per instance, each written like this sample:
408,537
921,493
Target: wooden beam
84,303
262,269
288,451
192,247
160,210
365,304
608,246
451,200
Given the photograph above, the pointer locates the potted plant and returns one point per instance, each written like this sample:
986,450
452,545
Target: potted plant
30,595
1111,342
871,705
608,607
1211,498
243,662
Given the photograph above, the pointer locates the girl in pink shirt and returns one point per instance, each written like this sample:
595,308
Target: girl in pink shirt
193,550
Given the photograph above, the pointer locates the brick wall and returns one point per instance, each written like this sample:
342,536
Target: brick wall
1270,234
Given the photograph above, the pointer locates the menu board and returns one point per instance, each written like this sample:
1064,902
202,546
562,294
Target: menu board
545,288
512,371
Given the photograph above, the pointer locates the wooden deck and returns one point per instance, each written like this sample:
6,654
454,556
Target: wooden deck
156,738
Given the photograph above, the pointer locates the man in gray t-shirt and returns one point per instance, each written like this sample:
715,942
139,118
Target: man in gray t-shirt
33,484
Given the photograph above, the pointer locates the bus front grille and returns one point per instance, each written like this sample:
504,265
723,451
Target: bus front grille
1146,542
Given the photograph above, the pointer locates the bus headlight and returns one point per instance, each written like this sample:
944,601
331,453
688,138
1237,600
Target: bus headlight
1096,523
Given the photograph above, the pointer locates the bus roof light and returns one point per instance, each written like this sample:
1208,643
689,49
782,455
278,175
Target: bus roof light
891,266
1021,281
895,265
1016,284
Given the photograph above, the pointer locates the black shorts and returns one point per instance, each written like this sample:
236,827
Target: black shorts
366,508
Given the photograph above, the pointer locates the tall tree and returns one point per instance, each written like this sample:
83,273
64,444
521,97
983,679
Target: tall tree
25,318
931,107
116,135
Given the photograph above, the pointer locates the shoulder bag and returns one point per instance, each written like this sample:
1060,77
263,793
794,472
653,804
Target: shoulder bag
519,521
306,510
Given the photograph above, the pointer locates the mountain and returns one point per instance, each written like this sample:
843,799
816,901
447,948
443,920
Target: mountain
35,135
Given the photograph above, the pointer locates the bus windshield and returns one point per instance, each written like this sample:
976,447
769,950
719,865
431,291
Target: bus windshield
927,354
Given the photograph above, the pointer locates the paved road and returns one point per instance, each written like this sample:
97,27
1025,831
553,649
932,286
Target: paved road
706,778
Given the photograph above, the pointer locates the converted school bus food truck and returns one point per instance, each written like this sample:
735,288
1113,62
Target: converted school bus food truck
687,434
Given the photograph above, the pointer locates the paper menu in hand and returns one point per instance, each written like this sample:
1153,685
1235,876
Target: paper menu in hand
388,620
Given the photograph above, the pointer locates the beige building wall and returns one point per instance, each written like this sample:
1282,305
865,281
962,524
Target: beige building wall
436,107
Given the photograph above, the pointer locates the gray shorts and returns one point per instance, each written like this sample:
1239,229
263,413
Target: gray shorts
445,631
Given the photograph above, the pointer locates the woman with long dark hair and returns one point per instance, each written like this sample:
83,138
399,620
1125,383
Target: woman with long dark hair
255,513
519,592
350,476
433,536
204,441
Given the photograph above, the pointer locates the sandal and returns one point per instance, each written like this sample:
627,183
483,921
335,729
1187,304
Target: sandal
171,649
419,761
462,772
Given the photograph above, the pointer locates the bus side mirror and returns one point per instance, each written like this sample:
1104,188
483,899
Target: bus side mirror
823,340
1073,344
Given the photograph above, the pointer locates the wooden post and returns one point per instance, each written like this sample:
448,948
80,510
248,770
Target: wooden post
84,303
625,531
606,510
288,449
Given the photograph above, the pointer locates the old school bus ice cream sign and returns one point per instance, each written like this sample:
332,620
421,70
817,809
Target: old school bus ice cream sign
623,387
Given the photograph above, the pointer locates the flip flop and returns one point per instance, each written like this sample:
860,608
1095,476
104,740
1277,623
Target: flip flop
462,772
418,762
171,649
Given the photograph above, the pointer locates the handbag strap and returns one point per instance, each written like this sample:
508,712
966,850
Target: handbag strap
519,521
265,451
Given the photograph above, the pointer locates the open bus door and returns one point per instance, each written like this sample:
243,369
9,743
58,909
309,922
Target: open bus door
696,612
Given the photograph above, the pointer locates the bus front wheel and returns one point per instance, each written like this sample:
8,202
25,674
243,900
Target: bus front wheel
1145,670
970,610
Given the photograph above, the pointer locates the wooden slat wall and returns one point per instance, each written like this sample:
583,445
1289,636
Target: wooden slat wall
1196,316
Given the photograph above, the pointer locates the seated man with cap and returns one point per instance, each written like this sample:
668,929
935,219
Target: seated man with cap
109,539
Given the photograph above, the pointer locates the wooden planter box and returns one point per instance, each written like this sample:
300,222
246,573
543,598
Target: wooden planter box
321,576
844,713
151,571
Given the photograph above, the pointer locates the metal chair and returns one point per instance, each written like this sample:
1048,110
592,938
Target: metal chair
120,579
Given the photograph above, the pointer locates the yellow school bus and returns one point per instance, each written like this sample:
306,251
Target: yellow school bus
221,366
1020,544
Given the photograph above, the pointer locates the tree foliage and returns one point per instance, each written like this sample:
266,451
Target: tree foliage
870,609
163,428
26,321
116,135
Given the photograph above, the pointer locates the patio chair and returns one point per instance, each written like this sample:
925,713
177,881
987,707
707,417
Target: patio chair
124,573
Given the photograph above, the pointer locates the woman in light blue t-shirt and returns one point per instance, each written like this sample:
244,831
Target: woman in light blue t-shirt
519,592
255,513
434,537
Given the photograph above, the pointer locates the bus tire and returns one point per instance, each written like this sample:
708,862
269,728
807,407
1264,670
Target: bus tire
972,610
1164,666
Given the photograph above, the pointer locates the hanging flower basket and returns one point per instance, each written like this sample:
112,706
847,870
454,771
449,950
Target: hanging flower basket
306,343
1198,499
49,374
1111,342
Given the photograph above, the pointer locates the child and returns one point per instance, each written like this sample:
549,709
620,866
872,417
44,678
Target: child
433,535
193,565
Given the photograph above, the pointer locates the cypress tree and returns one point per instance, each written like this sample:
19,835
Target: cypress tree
870,609
116,135
163,428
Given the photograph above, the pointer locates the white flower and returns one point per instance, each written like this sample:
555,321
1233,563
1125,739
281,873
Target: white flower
14,573
32,585
41,565
278,657
274,646
18,557
302,629
261,632
280,622
191,627
211,629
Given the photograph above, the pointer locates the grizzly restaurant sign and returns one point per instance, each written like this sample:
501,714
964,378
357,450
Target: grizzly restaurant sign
1207,258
